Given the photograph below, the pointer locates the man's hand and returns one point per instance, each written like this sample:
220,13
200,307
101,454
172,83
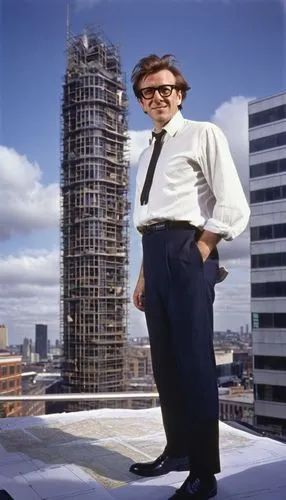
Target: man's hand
203,249
138,295
207,242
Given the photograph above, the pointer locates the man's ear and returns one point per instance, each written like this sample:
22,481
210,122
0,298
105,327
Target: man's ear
180,98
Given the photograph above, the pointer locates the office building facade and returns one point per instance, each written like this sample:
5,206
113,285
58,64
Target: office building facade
10,384
267,151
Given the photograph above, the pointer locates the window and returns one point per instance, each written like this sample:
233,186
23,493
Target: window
2,410
269,232
268,194
270,363
269,142
271,422
268,260
267,168
267,116
268,320
269,289
255,320
274,393
4,371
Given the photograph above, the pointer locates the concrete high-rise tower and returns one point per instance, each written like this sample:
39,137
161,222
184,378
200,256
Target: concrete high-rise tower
94,218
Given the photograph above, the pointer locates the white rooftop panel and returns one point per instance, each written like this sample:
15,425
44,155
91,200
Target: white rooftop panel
86,456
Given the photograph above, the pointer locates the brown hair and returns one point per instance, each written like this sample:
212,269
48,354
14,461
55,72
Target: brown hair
153,63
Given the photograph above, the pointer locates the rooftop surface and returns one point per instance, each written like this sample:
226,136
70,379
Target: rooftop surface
86,456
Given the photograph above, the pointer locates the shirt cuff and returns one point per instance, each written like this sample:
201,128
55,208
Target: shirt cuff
217,227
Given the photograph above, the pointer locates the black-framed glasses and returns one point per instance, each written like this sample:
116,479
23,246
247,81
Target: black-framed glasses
164,91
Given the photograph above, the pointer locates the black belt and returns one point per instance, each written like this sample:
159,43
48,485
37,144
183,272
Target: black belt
166,224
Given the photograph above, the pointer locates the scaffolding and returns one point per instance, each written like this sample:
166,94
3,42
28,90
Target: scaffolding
94,218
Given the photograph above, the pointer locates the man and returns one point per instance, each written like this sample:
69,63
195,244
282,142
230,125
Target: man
188,197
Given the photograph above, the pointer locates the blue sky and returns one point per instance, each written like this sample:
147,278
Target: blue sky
229,51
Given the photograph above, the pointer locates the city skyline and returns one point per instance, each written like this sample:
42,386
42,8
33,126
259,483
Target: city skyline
225,71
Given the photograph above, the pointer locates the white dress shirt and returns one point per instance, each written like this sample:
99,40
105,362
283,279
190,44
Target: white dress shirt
195,180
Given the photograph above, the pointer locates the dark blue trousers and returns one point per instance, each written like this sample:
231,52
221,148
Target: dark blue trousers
179,295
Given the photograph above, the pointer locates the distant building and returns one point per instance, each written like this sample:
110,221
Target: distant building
267,147
223,356
26,350
236,404
139,373
29,387
10,383
139,362
35,357
3,337
246,359
41,344
39,384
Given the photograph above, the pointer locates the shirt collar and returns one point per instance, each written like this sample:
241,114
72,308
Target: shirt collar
174,124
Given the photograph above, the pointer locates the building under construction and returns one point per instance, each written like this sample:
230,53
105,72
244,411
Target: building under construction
94,218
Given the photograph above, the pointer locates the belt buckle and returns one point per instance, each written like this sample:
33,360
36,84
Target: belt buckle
159,226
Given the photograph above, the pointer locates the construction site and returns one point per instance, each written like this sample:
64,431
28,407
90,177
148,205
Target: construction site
94,219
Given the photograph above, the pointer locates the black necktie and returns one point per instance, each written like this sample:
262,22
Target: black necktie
151,168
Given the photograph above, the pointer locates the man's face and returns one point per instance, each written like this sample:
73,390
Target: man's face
159,107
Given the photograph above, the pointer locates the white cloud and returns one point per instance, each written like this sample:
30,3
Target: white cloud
29,292
139,140
32,268
232,117
26,204
239,248
232,305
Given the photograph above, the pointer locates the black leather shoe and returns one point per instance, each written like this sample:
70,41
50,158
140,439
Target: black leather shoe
196,489
162,465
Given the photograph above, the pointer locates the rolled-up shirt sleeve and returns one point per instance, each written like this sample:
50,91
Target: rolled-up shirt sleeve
231,211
